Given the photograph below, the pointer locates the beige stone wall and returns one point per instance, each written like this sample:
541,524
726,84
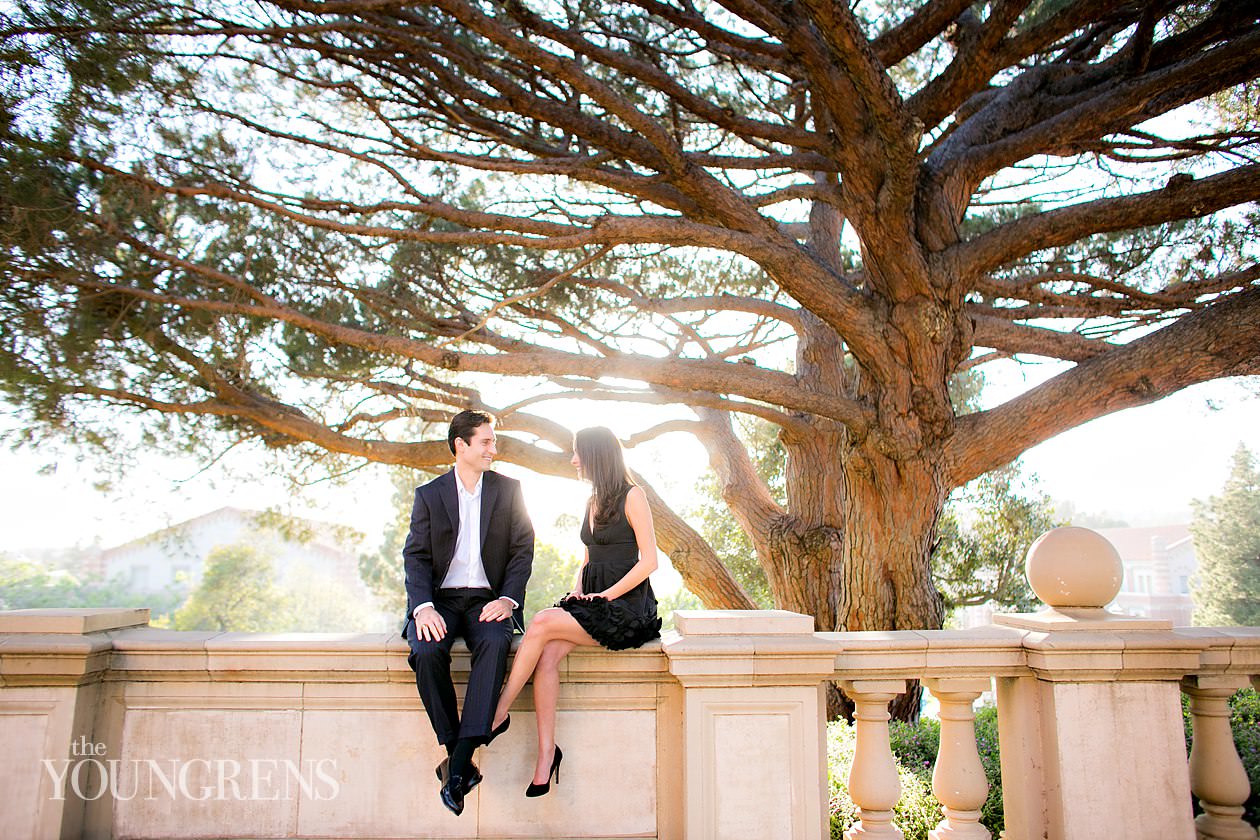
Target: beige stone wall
307,735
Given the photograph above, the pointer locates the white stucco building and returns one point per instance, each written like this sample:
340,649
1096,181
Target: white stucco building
177,555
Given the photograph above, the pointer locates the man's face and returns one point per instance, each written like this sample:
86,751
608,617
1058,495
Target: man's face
478,454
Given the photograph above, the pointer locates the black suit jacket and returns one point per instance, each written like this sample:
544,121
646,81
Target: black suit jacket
507,538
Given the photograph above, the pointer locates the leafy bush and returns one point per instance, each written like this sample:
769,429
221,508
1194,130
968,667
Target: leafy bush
914,747
992,815
1244,718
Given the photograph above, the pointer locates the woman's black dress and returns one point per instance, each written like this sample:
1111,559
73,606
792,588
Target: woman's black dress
624,622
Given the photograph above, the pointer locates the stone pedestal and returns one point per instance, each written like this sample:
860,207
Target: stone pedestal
1103,696
754,711
51,663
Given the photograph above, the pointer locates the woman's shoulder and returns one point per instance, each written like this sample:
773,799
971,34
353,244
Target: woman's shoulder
635,498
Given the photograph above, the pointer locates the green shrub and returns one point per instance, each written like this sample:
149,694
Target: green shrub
992,815
1245,719
915,744
914,748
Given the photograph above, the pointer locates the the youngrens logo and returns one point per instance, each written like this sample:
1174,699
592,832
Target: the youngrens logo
89,775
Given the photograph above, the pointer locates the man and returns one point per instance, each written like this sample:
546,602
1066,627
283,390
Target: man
467,559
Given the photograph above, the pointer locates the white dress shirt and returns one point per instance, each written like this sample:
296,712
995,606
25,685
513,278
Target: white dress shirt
466,570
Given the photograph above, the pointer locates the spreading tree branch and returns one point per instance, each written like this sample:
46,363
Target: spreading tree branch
1211,343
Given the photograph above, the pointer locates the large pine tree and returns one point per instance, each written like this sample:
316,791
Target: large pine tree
1227,538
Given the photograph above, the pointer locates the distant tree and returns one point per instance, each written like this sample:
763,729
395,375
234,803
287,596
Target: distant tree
1066,510
1226,529
29,584
237,592
382,570
318,603
984,536
555,573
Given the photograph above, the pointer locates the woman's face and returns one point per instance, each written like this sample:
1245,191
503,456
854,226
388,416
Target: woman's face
576,462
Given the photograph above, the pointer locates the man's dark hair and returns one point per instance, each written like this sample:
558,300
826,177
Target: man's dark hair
464,424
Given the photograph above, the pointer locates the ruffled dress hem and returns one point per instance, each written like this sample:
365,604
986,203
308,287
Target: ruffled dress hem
613,624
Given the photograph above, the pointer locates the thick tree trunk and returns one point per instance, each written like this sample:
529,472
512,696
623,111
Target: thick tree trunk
803,555
871,572
854,551
887,577
893,507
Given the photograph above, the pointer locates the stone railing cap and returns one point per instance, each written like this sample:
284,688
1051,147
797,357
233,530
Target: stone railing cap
1089,619
74,620
742,623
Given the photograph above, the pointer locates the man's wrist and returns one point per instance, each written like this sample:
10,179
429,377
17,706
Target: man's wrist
416,612
511,601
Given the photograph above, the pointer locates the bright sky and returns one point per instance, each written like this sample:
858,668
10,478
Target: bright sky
1144,465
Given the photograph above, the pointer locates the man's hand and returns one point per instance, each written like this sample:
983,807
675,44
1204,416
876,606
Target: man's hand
496,610
429,625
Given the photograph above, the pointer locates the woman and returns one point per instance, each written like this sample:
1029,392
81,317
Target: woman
613,605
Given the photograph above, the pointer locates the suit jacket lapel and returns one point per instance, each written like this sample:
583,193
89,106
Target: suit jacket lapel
489,495
450,500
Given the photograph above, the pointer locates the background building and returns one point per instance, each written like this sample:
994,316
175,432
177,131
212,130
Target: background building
1158,564
299,548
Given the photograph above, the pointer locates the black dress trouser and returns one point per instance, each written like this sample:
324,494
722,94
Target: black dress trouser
488,643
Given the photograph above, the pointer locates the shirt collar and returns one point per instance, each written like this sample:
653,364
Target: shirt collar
475,494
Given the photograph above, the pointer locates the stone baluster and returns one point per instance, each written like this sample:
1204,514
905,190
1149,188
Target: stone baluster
1217,776
873,783
958,779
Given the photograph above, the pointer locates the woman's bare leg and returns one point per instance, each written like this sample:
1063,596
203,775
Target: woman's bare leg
549,625
546,698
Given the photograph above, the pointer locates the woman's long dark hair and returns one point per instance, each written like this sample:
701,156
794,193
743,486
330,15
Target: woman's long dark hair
604,466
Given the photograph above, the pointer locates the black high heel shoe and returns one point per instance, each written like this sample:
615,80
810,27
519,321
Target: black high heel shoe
500,729
539,790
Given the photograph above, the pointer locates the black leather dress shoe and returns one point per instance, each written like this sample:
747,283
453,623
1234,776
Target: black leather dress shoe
470,781
453,795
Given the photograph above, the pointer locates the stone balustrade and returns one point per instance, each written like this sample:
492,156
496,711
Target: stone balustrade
1090,726
111,728
1089,713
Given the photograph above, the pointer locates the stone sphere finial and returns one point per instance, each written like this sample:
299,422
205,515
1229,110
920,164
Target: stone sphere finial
1075,568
